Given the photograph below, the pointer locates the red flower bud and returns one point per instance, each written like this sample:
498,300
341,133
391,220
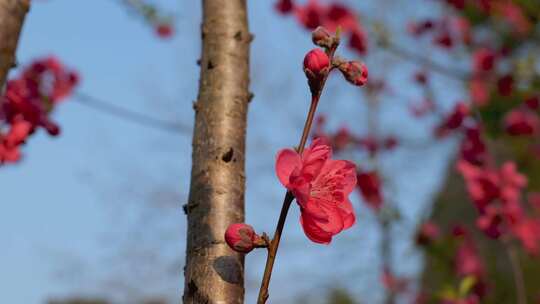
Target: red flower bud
355,72
459,231
454,120
241,237
533,102
390,143
52,128
321,37
285,6
483,60
427,233
164,30
316,64
444,40
505,85
370,188
421,77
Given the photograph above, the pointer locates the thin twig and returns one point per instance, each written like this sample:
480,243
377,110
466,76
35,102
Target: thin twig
425,62
413,57
274,245
130,115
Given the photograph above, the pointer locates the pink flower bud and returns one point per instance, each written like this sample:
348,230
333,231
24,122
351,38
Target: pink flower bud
241,237
316,64
355,72
322,38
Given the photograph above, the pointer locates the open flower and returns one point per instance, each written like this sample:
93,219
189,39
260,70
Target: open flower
321,187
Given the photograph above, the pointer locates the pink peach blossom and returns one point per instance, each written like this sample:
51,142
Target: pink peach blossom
321,187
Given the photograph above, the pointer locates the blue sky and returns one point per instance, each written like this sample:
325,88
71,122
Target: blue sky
77,203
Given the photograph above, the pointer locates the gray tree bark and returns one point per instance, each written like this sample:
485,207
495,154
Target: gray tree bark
213,272
12,14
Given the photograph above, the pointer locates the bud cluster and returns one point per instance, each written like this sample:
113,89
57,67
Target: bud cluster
320,61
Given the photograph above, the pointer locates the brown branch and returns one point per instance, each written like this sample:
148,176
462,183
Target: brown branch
274,244
214,273
12,13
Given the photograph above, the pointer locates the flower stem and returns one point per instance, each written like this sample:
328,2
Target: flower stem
274,244
272,249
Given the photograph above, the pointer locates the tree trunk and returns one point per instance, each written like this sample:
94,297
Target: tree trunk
213,272
12,13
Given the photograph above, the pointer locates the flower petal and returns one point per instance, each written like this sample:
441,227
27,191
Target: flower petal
313,209
334,222
347,213
314,159
348,171
313,231
300,190
287,161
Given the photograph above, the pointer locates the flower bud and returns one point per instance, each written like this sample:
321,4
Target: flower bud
241,237
355,72
316,64
52,128
483,60
285,6
533,102
321,37
428,232
164,30
421,77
